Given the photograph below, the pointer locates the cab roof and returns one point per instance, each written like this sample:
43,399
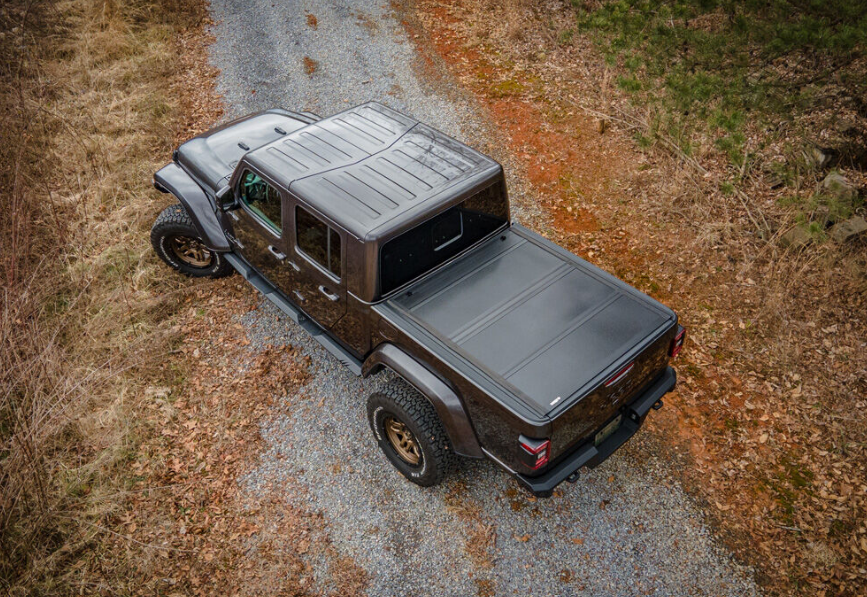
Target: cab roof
372,169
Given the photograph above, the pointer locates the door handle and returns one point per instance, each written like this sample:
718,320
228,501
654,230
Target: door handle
273,250
294,265
299,296
329,296
234,240
234,215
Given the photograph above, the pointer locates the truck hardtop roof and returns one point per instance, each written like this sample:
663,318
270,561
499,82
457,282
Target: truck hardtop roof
372,169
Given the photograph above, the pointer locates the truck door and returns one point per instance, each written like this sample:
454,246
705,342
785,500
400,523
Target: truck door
321,288
258,228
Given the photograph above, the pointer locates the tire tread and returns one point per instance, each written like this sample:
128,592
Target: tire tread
425,416
175,217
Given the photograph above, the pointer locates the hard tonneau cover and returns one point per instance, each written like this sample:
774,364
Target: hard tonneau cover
535,326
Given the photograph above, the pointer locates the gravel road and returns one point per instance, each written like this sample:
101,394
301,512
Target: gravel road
626,528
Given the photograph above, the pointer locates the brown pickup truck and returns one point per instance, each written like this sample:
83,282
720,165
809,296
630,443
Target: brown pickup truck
391,243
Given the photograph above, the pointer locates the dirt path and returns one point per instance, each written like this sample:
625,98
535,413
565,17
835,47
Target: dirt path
627,528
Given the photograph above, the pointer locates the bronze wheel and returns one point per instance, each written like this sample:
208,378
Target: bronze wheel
410,434
177,242
191,251
402,440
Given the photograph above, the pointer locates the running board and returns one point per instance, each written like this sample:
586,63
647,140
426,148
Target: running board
295,314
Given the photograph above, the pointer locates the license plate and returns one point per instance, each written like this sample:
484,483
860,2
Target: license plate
608,430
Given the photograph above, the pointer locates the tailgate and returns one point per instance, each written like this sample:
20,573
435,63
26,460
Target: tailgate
544,325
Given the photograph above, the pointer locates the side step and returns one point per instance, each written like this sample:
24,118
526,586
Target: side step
295,314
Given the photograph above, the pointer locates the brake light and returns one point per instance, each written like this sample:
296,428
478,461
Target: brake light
677,342
535,452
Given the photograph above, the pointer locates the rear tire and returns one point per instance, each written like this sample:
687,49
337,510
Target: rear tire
410,434
176,241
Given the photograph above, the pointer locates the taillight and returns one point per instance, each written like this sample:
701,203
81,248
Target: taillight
677,343
534,452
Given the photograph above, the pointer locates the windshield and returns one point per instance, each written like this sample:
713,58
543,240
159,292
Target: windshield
440,238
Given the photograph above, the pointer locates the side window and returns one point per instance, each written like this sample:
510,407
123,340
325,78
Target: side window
262,199
318,241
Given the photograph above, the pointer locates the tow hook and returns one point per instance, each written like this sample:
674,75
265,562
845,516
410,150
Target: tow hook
573,477
657,405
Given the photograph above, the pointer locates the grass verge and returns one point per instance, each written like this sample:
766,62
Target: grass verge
88,93
130,405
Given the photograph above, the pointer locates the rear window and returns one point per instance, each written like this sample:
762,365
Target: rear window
442,237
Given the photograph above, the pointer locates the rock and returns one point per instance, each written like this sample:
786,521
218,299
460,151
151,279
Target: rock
796,238
817,158
773,172
848,230
836,185
846,127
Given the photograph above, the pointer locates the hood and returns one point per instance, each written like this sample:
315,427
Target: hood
211,157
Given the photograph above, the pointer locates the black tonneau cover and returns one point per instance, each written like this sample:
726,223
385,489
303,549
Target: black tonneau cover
531,318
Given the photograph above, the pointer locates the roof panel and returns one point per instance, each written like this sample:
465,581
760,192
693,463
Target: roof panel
443,153
289,161
415,184
386,119
344,198
380,183
371,165
430,160
379,201
364,128
332,149
306,154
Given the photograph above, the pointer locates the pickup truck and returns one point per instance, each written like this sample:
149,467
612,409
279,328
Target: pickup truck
392,245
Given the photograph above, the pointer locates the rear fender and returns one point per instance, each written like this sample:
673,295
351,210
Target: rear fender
172,179
448,405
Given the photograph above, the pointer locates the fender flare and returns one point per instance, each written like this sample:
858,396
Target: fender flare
447,403
172,179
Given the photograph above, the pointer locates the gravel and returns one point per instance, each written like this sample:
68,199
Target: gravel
626,528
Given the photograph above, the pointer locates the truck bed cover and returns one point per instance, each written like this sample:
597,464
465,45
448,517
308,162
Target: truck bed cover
531,323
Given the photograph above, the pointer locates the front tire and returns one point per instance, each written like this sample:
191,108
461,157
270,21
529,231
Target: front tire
410,434
176,241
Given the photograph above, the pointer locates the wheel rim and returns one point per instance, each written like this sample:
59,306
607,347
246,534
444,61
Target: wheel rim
402,440
191,251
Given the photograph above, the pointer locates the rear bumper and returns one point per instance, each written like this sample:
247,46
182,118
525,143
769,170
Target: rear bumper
592,456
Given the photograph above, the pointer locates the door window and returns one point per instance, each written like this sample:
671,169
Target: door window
262,199
317,240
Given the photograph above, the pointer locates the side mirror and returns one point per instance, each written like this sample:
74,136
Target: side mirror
226,199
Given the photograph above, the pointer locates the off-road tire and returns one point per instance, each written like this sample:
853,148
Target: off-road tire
402,402
174,222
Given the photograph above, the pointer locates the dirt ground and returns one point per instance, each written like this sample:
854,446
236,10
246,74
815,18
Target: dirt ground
773,381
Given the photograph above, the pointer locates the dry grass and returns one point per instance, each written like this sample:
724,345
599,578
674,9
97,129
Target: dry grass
130,404
85,87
